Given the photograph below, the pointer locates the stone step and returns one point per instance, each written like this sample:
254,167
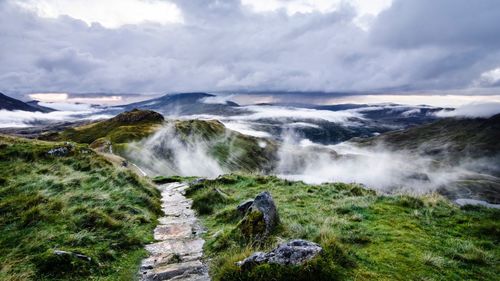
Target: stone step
192,277
174,220
169,271
176,246
173,231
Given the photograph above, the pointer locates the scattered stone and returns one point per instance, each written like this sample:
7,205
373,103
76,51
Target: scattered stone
76,255
261,217
294,252
197,181
243,207
59,151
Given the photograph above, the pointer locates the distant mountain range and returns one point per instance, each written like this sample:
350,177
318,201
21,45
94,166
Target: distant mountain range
185,104
9,103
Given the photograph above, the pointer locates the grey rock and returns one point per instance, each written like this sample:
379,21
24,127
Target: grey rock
262,216
294,252
76,255
243,207
197,181
59,151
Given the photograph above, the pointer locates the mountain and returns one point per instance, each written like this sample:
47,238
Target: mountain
449,138
9,103
35,104
185,104
125,127
470,146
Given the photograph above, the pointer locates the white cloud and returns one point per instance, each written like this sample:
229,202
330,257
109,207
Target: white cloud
246,129
217,99
279,112
18,118
473,110
488,78
108,13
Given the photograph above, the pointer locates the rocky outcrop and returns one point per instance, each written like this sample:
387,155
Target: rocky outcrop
261,217
294,252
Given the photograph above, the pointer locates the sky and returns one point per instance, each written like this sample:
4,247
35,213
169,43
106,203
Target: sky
160,46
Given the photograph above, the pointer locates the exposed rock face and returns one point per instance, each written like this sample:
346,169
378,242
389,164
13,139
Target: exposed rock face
261,217
294,252
243,207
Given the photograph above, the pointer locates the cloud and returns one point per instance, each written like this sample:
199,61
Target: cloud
280,112
142,46
484,110
18,118
217,99
109,13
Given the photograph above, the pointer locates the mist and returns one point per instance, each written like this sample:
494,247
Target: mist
165,153
19,119
376,167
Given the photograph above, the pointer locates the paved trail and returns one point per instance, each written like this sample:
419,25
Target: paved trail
177,253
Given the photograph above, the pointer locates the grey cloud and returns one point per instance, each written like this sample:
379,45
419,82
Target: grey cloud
225,46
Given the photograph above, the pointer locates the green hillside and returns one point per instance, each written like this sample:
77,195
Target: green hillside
65,197
365,236
124,127
447,139
234,151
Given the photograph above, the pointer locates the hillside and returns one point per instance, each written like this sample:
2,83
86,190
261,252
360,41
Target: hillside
125,127
182,144
9,103
449,138
364,236
69,214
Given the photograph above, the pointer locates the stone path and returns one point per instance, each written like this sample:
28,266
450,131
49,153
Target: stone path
177,253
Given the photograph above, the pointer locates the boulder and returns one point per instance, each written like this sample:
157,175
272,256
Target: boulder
243,207
261,217
294,252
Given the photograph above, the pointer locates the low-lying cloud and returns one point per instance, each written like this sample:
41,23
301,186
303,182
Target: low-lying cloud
484,110
18,118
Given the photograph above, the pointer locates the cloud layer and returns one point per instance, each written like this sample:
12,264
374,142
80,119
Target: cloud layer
214,45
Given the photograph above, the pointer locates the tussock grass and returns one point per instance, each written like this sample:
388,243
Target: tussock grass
365,236
78,203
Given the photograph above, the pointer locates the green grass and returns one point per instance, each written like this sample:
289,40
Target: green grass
233,151
125,127
79,203
365,236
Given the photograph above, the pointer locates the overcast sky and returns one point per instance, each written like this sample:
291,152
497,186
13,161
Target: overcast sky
157,46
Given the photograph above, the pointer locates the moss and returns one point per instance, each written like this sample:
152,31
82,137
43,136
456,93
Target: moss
253,224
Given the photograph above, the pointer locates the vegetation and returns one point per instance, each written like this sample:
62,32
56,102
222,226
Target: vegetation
123,128
73,201
234,151
447,139
365,236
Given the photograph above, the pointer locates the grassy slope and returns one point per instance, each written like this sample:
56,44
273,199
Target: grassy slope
79,203
125,127
449,137
365,236
234,151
